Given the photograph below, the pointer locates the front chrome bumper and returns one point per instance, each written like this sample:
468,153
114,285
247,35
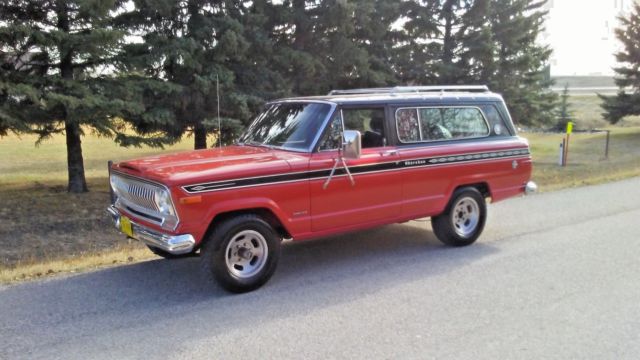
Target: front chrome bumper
530,188
173,244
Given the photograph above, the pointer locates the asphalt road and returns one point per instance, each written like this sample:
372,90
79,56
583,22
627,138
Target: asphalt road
555,275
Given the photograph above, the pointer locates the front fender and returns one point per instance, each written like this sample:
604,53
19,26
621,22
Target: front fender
244,204
247,204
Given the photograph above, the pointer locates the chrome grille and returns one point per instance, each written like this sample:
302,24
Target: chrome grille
142,196
137,198
135,192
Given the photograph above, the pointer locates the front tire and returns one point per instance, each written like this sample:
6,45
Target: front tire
463,220
241,254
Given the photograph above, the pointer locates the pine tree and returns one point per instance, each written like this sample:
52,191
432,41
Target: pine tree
302,66
54,58
337,44
476,43
375,33
187,49
259,75
446,38
451,28
492,42
628,73
416,54
564,109
518,67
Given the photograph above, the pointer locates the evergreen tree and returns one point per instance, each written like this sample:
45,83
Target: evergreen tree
452,26
518,67
628,73
476,43
345,61
54,59
260,73
337,44
302,66
416,52
188,48
492,42
372,34
564,109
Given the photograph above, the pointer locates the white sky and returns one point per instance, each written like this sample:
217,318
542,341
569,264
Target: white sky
581,35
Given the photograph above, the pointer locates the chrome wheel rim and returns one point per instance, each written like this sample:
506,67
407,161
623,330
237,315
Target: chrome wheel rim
246,254
465,217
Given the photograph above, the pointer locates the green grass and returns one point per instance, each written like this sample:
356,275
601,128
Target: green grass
586,113
586,162
23,163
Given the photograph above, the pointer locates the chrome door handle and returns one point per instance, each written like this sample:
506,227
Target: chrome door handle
389,153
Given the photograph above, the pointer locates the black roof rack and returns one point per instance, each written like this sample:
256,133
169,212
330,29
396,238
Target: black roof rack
412,89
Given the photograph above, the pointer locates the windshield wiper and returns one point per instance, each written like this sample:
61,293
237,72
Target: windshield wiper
258,144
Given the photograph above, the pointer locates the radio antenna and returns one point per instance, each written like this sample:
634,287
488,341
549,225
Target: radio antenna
219,122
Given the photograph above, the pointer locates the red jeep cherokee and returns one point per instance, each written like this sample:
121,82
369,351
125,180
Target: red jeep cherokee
311,167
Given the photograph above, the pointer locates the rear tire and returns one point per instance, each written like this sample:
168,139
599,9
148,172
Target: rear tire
241,254
463,220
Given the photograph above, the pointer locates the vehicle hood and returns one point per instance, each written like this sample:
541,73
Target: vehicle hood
231,162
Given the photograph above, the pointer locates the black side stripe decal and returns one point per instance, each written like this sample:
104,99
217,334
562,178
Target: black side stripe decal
394,165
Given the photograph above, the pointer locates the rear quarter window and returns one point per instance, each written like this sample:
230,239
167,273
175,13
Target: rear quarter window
426,124
496,122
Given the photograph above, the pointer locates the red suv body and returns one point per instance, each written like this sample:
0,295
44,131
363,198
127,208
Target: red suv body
317,166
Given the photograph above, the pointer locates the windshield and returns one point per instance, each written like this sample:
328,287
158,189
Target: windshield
287,125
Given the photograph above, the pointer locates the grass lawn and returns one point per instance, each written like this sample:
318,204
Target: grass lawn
44,230
586,162
24,164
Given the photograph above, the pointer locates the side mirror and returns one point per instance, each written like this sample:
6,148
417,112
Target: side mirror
352,146
351,149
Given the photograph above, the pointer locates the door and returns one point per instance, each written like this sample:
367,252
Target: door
442,151
376,192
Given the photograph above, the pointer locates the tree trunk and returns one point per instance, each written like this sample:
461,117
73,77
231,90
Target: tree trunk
303,32
75,164
199,131
200,137
448,41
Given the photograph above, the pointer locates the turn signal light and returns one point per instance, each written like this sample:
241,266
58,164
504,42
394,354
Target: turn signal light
191,200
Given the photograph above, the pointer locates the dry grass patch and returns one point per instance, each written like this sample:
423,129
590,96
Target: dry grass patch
586,165
43,229
39,222
37,268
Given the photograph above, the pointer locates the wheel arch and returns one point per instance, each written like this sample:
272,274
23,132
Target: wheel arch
482,187
264,213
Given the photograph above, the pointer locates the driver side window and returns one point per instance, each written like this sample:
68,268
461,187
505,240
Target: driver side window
369,122
332,138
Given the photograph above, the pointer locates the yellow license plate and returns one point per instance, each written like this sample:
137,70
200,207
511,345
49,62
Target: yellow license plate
125,226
